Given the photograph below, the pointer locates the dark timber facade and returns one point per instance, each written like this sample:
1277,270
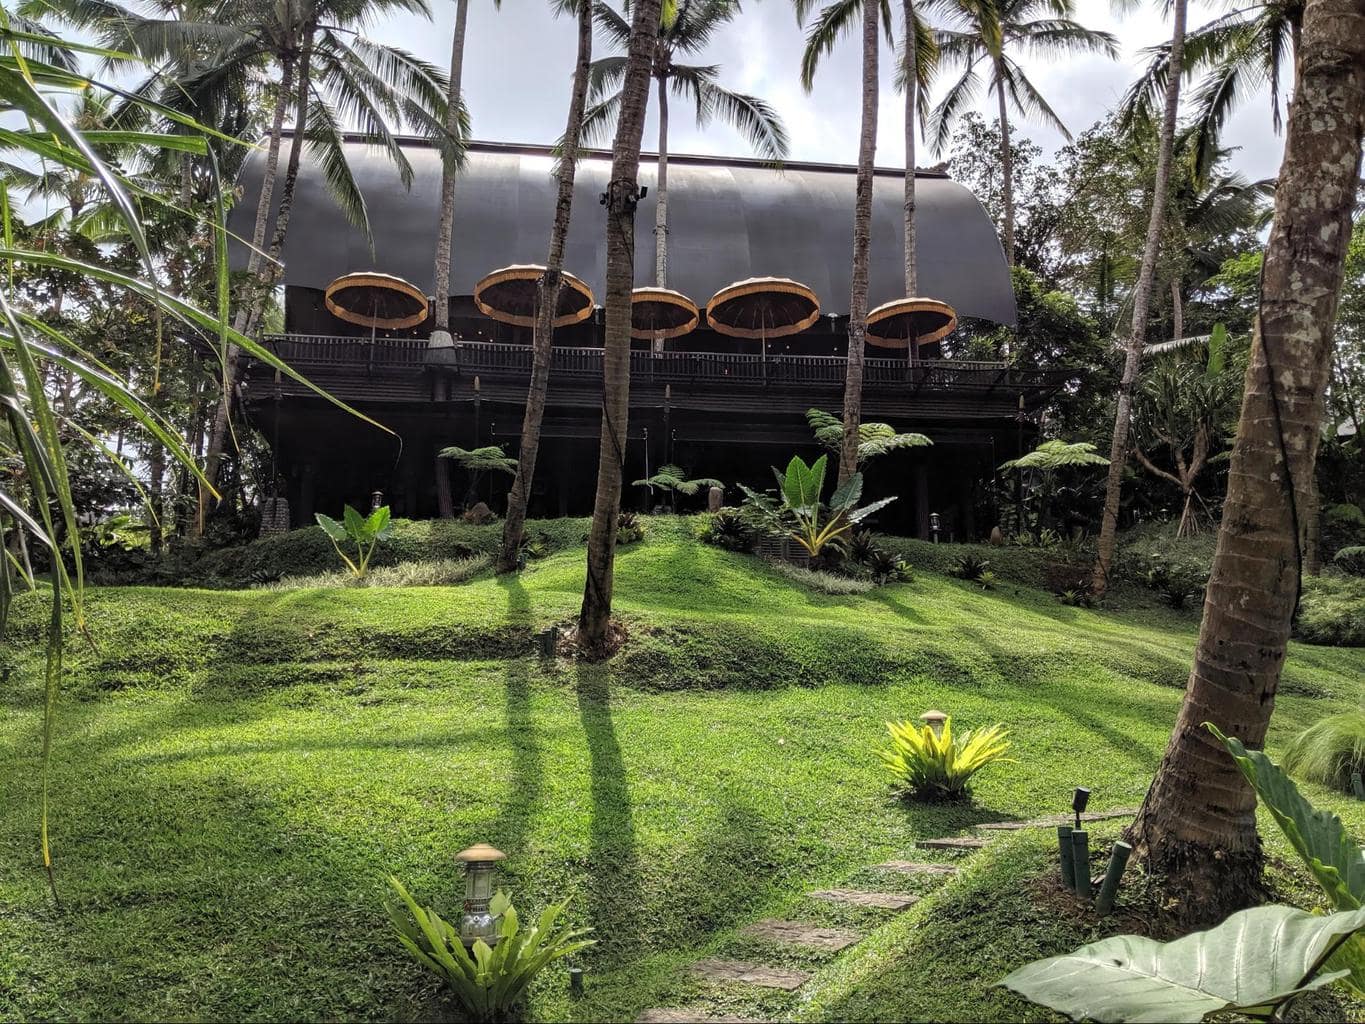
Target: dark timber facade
708,402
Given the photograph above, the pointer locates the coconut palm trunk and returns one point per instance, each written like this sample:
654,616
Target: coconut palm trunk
1197,826
862,237
440,335
1006,162
267,271
911,108
594,619
1142,299
661,184
548,298
253,266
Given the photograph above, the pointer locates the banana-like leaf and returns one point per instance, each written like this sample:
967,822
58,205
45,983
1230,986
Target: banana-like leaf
1252,963
1334,859
331,527
1318,837
847,496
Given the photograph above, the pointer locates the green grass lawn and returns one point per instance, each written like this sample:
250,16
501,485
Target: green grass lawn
237,772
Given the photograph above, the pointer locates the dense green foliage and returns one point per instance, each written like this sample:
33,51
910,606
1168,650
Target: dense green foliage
932,762
1329,750
1332,611
239,763
489,983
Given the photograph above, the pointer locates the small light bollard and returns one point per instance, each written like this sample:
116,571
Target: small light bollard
934,720
548,640
1079,799
1358,785
576,981
1080,862
1064,849
935,524
480,868
1118,860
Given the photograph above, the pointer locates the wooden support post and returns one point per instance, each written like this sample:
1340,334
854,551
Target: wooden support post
922,499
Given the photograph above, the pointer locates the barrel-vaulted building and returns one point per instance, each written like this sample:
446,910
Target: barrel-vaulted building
711,402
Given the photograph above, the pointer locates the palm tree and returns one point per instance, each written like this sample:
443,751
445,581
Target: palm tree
862,213
987,33
1142,297
684,30
548,297
623,194
1236,55
328,74
1197,825
918,59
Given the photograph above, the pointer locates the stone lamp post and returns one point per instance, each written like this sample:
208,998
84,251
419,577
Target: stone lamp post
480,869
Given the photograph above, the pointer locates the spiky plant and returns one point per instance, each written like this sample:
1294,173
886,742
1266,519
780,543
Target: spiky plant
939,765
1329,750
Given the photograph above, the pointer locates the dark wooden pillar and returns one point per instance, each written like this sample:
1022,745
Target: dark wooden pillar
308,494
921,499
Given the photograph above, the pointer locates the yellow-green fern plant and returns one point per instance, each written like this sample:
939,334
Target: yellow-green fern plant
938,765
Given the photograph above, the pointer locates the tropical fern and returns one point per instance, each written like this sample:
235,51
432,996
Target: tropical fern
674,478
874,439
478,460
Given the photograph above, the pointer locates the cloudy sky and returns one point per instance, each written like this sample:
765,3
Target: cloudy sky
519,59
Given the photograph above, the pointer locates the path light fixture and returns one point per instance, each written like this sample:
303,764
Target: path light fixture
376,500
935,524
1358,785
934,720
480,869
1078,801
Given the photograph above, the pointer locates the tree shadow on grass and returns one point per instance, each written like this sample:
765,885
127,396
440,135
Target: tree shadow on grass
524,769
518,600
614,890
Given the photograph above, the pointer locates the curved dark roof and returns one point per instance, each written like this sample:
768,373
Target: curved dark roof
728,219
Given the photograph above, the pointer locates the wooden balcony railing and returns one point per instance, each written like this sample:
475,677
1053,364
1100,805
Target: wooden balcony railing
314,352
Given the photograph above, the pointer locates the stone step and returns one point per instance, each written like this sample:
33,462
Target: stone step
786,978
953,843
866,898
910,867
802,933
1058,819
664,1015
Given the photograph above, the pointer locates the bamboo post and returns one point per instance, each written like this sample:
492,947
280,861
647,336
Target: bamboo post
1118,861
1064,849
1080,862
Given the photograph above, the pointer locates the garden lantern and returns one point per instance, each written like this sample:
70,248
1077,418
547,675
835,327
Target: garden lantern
376,501
934,720
1079,799
480,867
935,523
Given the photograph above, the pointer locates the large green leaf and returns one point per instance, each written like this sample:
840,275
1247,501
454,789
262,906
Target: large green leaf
1319,837
1252,963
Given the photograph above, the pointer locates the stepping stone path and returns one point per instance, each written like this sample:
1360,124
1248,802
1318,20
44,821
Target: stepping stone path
802,933
808,936
909,867
1057,819
688,1017
785,978
953,843
864,898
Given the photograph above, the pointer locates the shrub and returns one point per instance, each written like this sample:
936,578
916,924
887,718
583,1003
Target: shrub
1329,750
939,766
629,529
1175,582
971,567
490,983
825,582
886,566
1075,598
1332,611
1350,561
728,529
445,572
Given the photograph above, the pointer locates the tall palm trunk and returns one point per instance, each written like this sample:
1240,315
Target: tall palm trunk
594,619
1197,825
661,204
440,335
548,299
1142,300
1177,310
911,62
862,237
251,296
1006,160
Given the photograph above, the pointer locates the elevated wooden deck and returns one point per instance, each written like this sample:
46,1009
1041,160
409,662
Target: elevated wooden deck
395,371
